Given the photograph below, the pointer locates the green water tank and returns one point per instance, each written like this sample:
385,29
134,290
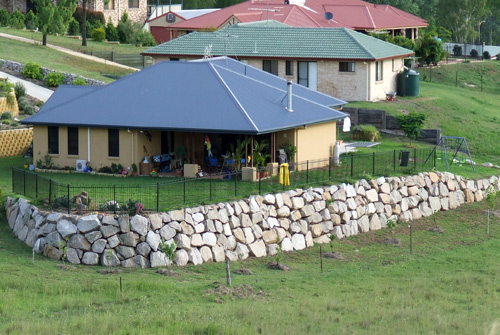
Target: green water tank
408,83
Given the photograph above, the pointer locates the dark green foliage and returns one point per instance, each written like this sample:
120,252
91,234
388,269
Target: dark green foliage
16,20
73,27
474,53
98,34
143,38
29,110
366,133
457,50
32,70
54,79
125,31
95,18
6,116
54,18
30,21
20,90
411,124
111,32
79,81
429,50
61,202
486,55
116,168
4,17
290,149
23,103
90,28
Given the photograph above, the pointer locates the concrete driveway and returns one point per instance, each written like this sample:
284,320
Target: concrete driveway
37,91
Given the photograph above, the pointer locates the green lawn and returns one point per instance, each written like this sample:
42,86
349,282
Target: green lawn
75,44
53,59
457,112
450,285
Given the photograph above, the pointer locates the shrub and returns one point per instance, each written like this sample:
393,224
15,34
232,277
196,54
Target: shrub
143,38
20,90
79,82
411,124
486,55
23,103
95,18
6,122
29,110
111,32
4,17
366,133
6,116
32,70
474,53
16,20
98,34
73,27
125,32
90,28
30,21
14,124
54,79
457,50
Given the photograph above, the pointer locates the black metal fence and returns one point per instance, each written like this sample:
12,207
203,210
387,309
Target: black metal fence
171,193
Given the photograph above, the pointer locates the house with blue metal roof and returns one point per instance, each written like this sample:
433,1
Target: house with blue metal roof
178,104
337,61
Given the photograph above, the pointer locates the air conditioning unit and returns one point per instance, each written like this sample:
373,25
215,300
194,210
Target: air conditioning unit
81,164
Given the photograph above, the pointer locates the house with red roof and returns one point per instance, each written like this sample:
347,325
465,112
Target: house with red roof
357,15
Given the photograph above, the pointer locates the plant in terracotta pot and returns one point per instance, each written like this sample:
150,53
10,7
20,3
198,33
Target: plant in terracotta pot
260,156
134,169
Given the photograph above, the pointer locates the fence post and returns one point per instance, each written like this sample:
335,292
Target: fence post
114,199
260,181
394,159
235,184
13,179
184,189
144,62
329,167
352,166
307,172
24,182
68,200
157,197
434,158
112,55
415,160
50,192
36,186
373,174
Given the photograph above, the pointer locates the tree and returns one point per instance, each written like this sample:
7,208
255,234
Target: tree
429,49
53,19
411,124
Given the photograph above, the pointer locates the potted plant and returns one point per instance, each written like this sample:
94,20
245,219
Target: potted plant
134,169
180,153
238,152
260,156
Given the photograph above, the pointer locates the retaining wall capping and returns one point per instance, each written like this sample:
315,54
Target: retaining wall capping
243,228
68,77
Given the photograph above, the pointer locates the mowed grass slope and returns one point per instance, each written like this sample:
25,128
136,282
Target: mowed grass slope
75,44
450,285
59,61
456,111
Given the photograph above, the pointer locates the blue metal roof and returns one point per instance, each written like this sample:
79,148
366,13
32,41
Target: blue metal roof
214,95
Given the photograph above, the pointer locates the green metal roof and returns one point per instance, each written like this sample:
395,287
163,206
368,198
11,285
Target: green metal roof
282,42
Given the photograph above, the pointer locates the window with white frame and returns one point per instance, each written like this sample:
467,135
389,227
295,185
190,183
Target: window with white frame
308,74
379,71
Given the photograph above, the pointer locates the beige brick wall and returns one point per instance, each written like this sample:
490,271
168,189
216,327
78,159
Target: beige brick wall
15,142
120,6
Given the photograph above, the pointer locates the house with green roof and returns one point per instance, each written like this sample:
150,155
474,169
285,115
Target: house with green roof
336,61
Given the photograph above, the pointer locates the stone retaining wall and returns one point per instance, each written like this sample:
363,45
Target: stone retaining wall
248,227
68,78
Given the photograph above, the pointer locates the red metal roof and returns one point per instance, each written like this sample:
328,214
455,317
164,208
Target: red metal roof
354,14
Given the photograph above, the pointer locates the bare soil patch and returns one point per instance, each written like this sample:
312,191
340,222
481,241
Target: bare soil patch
243,291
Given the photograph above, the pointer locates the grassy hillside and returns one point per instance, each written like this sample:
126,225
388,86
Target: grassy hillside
75,44
450,285
24,52
457,112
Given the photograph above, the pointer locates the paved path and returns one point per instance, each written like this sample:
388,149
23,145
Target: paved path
68,51
37,91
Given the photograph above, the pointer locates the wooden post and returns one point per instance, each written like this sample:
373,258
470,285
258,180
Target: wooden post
228,273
